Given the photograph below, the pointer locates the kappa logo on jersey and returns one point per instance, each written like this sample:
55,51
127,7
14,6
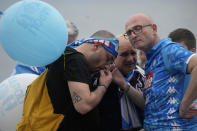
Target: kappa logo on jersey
148,81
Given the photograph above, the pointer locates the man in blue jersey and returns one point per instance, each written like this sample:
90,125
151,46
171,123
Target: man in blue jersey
187,39
167,105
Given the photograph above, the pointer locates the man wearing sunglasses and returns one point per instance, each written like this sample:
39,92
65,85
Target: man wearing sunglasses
167,105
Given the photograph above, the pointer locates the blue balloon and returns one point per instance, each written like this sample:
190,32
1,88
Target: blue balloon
33,32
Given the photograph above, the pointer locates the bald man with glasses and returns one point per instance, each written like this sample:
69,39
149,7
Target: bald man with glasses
167,105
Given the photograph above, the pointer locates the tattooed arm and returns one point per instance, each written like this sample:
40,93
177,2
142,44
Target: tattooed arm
83,99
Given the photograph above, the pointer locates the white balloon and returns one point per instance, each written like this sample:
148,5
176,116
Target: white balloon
12,93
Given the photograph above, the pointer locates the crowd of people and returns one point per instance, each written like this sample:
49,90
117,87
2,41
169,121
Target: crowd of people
130,82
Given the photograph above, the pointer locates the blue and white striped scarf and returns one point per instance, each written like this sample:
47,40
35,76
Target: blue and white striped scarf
129,113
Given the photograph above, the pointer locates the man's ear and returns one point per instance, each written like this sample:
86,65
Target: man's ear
154,27
97,45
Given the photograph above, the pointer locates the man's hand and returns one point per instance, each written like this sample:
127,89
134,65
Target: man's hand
117,77
105,77
189,113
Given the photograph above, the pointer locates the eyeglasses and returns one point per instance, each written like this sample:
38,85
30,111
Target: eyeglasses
136,30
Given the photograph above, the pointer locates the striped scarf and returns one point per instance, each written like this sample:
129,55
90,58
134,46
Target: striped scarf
129,113
110,44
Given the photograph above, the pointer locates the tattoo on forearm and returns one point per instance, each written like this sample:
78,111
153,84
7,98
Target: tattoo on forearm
76,98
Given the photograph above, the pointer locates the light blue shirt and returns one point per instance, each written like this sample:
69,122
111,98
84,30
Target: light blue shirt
164,87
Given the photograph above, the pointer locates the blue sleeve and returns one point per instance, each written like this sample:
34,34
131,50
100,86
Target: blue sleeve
175,57
20,68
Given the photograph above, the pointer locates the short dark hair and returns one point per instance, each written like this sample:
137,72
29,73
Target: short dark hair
183,35
103,34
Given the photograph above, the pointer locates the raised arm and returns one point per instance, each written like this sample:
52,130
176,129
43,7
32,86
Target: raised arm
135,95
83,99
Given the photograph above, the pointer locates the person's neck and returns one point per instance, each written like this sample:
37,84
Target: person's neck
125,74
82,50
157,39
